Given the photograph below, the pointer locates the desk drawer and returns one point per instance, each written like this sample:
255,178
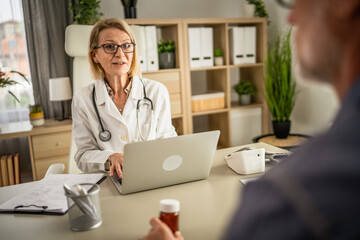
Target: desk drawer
42,164
50,145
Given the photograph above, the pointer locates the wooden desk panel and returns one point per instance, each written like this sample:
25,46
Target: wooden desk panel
51,140
52,144
50,126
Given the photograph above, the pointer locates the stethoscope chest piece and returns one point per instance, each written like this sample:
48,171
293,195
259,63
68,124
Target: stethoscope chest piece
104,135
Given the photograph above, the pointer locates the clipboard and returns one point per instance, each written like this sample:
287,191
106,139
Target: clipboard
47,196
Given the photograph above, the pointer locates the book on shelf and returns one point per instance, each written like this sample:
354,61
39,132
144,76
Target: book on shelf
4,171
17,168
10,169
1,184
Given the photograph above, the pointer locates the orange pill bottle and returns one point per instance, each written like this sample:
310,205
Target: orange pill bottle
169,213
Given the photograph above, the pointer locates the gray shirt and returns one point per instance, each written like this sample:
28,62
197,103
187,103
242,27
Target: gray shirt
315,193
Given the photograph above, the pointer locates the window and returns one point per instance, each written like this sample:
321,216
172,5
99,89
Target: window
13,56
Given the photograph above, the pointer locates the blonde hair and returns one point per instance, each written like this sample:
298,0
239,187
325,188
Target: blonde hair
97,70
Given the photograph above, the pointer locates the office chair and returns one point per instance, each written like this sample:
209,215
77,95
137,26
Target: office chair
75,37
55,168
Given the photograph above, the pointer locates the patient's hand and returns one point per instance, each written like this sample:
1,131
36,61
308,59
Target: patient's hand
116,160
160,231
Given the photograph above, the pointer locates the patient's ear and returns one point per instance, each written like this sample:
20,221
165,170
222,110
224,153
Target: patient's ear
345,10
343,17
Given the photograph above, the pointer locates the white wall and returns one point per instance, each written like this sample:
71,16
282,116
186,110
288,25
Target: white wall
176,8
316,104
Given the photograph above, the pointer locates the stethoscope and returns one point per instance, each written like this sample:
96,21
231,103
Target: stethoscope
105,135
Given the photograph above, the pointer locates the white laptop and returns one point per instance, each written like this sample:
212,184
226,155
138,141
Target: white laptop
167,161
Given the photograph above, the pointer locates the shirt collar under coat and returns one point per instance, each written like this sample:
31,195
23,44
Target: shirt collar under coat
102,96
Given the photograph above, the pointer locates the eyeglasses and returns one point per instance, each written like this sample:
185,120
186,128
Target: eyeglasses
112,48
287,3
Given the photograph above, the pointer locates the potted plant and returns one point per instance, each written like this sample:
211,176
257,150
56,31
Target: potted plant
166,50
36,115
259,9
5,80
129,8
280,85
245,89
218,57
86,12
248,10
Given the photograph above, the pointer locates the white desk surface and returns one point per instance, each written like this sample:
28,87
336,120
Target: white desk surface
14,127
206,206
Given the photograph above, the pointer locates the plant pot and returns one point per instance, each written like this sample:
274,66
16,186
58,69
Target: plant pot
166,60
245,99
219,61
130,12
248,10
37,119
281,129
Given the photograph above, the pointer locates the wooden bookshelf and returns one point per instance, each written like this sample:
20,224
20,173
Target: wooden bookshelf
217,77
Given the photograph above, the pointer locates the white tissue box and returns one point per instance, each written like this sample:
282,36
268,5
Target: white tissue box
247,161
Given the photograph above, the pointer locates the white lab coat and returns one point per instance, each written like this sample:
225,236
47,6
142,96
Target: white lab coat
92,153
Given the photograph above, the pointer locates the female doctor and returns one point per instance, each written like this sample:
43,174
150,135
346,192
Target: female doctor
120,107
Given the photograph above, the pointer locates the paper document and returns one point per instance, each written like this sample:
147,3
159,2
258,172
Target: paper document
48,195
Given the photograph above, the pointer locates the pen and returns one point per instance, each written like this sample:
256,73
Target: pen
85,208
82,192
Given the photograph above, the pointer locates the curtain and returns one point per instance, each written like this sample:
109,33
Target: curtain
45,24
13,57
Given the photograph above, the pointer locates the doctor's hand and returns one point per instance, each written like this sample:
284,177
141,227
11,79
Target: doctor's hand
116,160
160,231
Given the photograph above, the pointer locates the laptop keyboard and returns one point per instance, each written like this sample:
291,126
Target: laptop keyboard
116,178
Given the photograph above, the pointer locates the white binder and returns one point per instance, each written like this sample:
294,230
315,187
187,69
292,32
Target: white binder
250,44
237,38
152,60
142,53
194,48
139,33
207,49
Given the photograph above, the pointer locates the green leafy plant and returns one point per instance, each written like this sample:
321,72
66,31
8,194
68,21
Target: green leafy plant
37,108
86,12
245,87
166,46
279,81
129,3
5,80
260,10
218,52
